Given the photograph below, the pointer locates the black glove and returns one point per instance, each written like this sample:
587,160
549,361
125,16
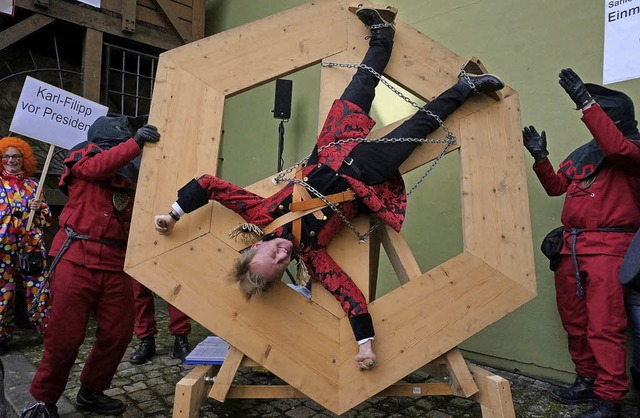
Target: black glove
148,133
535,143
574,87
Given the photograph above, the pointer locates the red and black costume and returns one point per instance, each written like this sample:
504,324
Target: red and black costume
600,214
369,169
88,276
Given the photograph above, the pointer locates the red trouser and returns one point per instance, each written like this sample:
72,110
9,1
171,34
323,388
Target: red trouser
76,293
595,323
145,325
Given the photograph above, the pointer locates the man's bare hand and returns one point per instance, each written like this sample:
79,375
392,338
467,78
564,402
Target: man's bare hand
164,223
365,359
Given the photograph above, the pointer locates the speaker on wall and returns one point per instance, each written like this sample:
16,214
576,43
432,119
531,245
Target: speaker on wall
282,105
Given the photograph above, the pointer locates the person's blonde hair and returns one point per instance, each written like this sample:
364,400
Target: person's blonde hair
251,283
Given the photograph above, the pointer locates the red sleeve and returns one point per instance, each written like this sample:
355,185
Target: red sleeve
555,184
250,206
104,165
335,280
618,150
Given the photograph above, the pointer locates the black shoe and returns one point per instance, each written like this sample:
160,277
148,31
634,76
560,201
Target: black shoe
40,410
580,391
604,409
99,403
376,19
181,347
482,83
144,352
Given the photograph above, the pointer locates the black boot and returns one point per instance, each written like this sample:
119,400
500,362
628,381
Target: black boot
181,347
145,351
482,83
580,391
40,410
603,409
99,403
378,21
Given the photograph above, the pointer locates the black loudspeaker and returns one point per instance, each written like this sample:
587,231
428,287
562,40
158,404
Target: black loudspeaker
282,105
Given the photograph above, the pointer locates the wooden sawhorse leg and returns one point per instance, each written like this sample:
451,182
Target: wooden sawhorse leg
192,390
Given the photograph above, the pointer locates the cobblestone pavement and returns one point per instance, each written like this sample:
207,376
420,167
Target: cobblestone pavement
148,389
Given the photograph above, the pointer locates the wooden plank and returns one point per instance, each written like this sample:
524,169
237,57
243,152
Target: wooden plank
198,19
495,203
166,9
191,392
91,18
23,29
264,392
417,389
92,64
223,60
225,376
461,382
294,341
128,11
402,260
494,395
425,317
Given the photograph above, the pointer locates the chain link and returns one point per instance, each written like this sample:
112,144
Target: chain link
449,141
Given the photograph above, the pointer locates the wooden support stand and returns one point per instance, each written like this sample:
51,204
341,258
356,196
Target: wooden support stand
457,378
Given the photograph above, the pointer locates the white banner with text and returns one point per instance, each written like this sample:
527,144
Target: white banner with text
621,40
53,115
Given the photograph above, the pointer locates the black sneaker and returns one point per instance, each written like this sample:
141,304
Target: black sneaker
580,391
181,347
99,403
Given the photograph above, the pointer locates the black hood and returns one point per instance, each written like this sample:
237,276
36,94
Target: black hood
107,132
618,106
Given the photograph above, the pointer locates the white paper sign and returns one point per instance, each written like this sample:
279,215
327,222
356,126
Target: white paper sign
53,115
621,40
6,6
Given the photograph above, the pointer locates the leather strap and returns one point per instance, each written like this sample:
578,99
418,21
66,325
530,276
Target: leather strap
319,203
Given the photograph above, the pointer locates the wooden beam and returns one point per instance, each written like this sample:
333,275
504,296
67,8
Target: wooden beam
94,19
24,28
165,10
197,20
494,396
92,64
191,392
128,16
225,376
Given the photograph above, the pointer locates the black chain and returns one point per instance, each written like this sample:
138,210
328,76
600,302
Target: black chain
449,141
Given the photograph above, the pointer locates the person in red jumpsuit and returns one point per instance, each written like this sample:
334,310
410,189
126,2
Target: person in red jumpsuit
601,212
87,276
370,169
145,326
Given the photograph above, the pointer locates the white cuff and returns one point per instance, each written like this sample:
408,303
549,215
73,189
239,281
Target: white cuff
364,340
177,208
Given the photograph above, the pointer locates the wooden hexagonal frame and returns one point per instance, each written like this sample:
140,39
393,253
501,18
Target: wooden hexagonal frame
309,344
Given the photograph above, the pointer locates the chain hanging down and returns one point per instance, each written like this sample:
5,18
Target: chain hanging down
449,141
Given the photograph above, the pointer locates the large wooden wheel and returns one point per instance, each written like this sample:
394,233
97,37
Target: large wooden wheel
309,344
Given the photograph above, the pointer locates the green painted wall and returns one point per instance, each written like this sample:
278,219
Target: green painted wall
526,43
